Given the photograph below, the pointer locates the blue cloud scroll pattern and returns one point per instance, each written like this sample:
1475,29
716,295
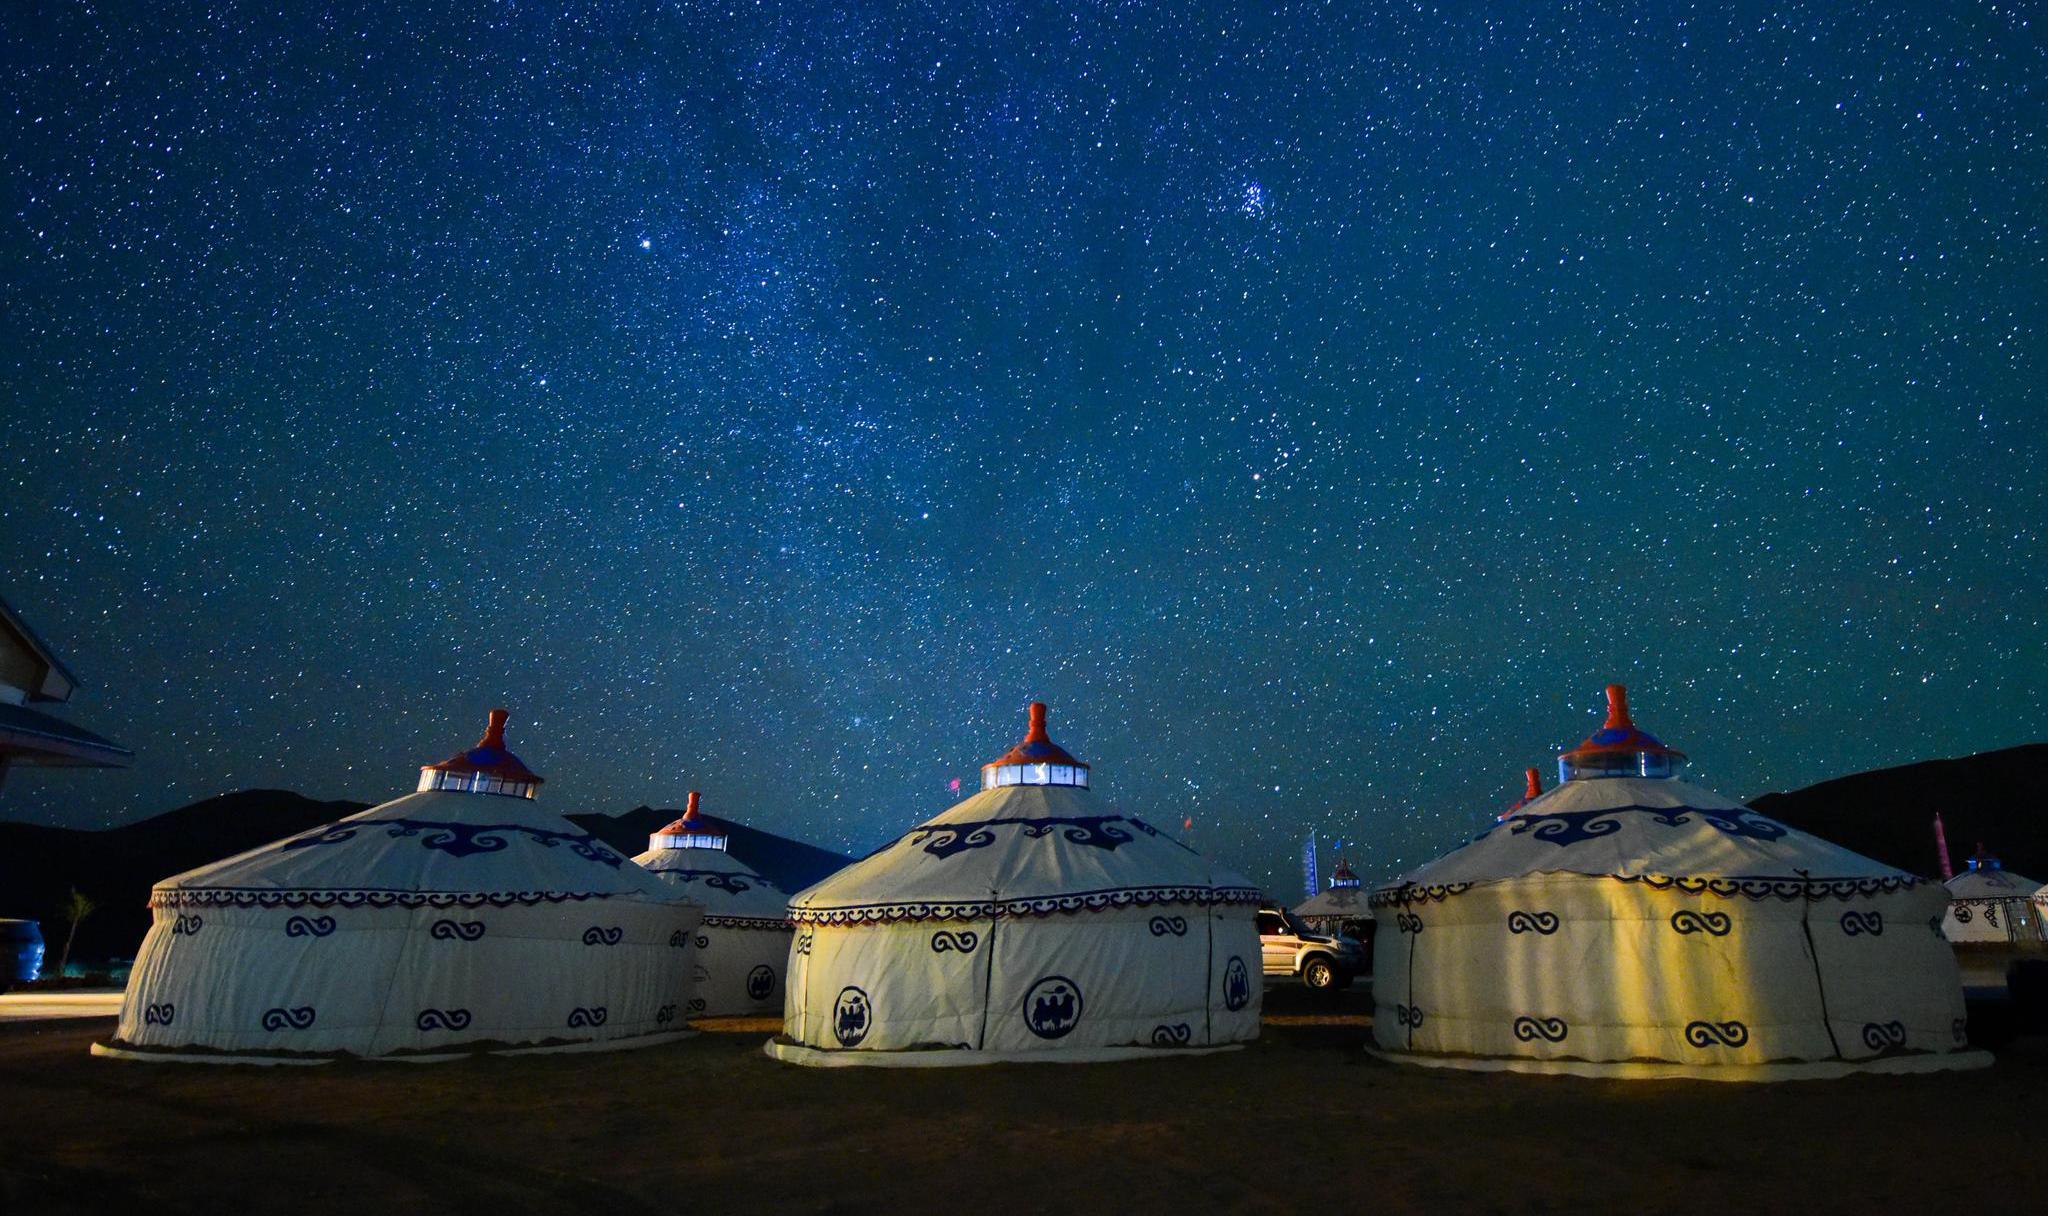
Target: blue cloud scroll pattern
1549,1030
299,1017
1717,1034
456,930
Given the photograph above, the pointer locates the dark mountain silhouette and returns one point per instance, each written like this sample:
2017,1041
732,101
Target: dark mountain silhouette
40,865
1999,798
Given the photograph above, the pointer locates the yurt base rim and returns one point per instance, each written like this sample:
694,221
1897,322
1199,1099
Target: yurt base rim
817,1057
115,1049
1656,1070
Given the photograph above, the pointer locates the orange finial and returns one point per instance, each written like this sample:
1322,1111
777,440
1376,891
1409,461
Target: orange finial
690,811
1037,732
1535,789
494,734
1617,708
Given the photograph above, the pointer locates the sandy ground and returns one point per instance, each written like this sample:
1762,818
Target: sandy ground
1304,1121
40,1006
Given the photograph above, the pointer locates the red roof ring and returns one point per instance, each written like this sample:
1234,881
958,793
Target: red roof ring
490,756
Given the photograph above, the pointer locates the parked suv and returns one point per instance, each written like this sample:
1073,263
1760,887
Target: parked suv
1322,961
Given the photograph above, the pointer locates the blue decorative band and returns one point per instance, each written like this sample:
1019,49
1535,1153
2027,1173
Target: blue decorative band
462,839
1081,901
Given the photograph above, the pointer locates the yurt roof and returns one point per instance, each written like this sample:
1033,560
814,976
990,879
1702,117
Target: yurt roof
432,847
1020,850
1658,830
690,855
1987,878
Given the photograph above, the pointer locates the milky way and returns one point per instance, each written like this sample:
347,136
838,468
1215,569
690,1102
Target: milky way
1316,410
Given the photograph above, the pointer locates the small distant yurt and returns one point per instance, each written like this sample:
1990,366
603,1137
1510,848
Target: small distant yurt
457,919
743,944
1343,903
1630,924
1989,904
1030,922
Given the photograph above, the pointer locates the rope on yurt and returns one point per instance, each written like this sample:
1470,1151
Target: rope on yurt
988,975
1209,971
1414,940
1819,984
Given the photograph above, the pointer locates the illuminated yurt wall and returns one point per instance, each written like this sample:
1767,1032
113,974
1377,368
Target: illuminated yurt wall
458,918
1629,923
1029,922
1989,904
743,944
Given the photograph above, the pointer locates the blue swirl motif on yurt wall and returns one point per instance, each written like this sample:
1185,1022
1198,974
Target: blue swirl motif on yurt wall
1570,827
1543,923
1959,1030
945,939
443,1019
664,1015
1177,1034
592,1016
697,1004
1688,922
1237,984
1407,922
297,1018
309,926
1712,1034
852,1014
464,839
1053,1007
603,935
456,930
1884,1036
679,940
159,1015
186,926
1855,924
761,982
1550,1030
803,941
1409,1016
1175,925
1096,831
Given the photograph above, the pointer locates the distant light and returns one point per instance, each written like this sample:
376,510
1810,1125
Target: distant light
646,243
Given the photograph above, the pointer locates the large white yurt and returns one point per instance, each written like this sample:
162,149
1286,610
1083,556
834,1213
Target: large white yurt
743,945
459,918
1028,923
1990,905
1628,923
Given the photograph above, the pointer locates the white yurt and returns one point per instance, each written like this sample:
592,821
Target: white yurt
1343,902
743,944
1989,904
1028,923
1630,924
457,919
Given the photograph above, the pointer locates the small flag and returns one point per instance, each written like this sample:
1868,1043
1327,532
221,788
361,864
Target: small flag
1189,826
955,787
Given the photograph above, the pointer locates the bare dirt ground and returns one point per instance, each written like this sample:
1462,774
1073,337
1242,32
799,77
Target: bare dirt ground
1303,1121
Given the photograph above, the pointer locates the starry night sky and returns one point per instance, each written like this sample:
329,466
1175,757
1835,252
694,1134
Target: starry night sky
1316,410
